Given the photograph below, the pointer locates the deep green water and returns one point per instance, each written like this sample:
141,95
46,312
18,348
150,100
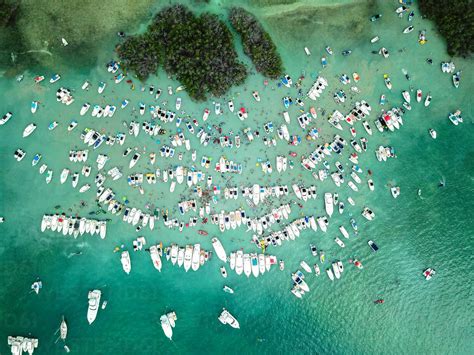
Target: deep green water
418,317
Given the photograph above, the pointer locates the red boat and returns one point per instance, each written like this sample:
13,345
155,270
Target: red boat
379,301
39,79
202,232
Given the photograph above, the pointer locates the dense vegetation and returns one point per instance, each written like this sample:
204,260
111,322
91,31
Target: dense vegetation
7,12
197,50
257,43
138,54
455,22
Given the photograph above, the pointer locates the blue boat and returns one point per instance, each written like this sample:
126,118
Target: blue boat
287,101
324,62
286,80
54,78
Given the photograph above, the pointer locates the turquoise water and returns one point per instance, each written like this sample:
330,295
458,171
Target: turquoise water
413,233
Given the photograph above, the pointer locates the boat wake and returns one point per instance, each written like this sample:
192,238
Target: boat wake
442,182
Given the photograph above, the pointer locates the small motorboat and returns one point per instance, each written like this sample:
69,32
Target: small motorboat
72,125
406,96
101,87
456,79
36,159
408,29
419,95
256,96
6,117
395,190
346,52
37,286
223,271
329,50
324,62
38,79
339,242
375,39
287,81
372,245
375,17
29,129
428,100
433,133
384,52
226,318
388,82
429,273
282,265
422,37
34,106
54,78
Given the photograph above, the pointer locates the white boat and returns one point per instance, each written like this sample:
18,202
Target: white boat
408,29
125,260
247,265
196,255
336,271
433,133
226,318
367,127
429,273
370,182
329,203
34,106
49,176
428,100
101,87
85,108
63,329
219,249
254,263
406,96
166,326
330,274
261,263
134,160
256,96
307,51
239,262
419,95
188,255
64,175
223,272
29,129
339,242
94,301
305,266
395,190
6,117
344,232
